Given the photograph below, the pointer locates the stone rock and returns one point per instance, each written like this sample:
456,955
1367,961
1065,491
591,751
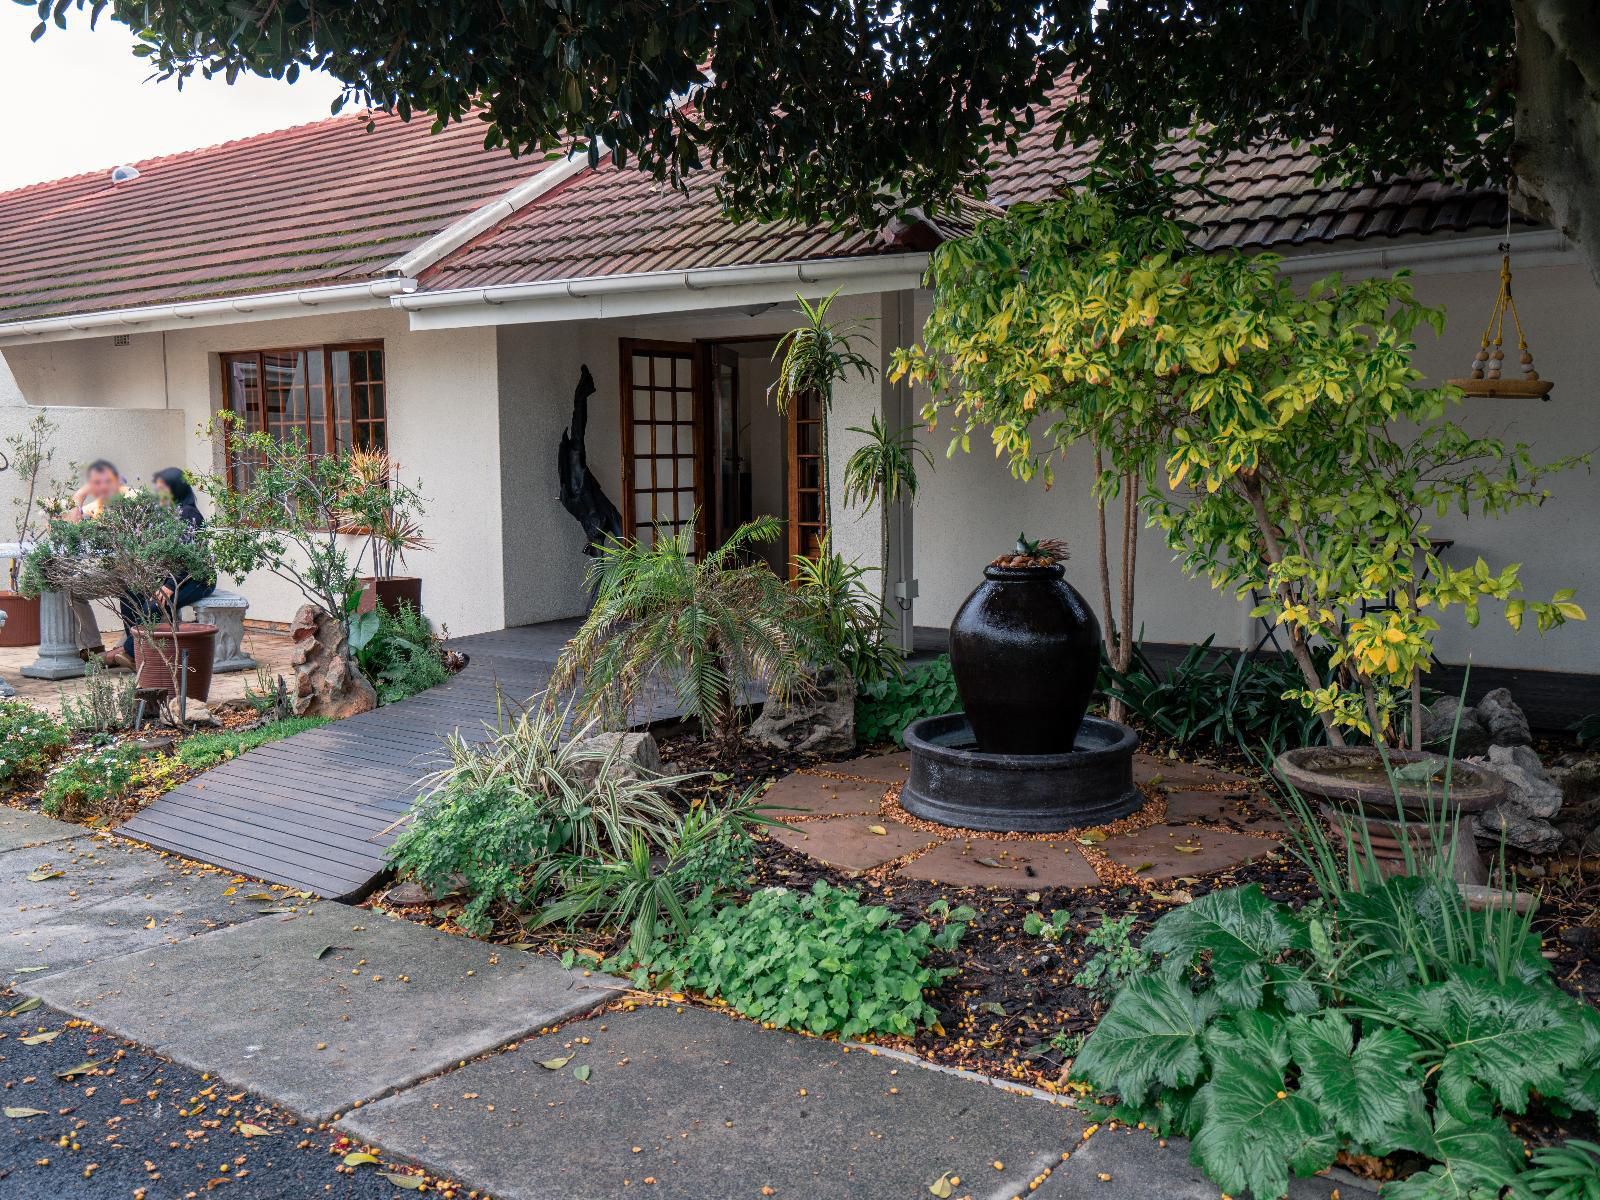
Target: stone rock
409,892
1518,829
1578,777
327,682
629,756
1506,722
1439,722
821,722
1528,786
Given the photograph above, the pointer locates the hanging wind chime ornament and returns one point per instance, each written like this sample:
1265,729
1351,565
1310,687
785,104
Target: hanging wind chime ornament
1486,378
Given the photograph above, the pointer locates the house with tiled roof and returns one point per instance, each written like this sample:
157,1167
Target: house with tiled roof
417,292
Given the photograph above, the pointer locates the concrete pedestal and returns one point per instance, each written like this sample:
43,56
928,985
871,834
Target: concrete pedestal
226,611
58,641
6,690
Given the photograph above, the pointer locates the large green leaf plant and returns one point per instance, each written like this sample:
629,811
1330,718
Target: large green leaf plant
1284,440
1394,1020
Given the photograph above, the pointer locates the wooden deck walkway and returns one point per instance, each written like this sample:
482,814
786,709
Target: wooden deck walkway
310,811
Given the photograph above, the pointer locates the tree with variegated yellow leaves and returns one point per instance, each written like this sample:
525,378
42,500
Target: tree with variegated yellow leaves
1284,441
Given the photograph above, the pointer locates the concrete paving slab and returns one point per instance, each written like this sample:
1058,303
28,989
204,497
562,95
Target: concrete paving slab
821,796
1133,1164
317,1009
992,862
109,899
1164,852
21,829
894,767
685,1104
849,844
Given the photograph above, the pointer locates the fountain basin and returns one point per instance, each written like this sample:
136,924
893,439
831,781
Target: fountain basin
954,783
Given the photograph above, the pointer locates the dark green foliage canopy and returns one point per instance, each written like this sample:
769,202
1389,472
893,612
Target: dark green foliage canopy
852,107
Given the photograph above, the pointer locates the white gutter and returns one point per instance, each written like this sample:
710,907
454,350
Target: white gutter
349,297
486,217
659,291
1448,256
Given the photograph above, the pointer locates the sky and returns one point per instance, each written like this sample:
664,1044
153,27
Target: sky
80,101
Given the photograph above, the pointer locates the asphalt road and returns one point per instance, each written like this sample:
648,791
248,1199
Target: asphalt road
134,1125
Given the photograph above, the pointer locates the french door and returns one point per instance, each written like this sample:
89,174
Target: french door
663,482
806,519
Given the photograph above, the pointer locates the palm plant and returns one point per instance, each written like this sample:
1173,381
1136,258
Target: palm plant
883,471
813,357
709,628
847,615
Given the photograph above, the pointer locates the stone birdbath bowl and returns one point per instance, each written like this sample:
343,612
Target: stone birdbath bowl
1355,794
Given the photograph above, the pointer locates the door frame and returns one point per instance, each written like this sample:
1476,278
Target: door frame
626,349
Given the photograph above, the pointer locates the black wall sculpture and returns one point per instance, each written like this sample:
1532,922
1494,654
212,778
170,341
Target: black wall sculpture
581,494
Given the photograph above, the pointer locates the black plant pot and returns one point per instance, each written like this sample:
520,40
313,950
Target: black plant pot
1025,647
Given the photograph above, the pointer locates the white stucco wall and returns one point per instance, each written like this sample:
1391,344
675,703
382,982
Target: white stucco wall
971,509
538,369
443,429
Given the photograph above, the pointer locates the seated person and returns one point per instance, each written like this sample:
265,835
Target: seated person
175,594
100,482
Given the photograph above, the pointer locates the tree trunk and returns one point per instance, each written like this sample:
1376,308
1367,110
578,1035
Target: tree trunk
1299,649
1116,655
1556,155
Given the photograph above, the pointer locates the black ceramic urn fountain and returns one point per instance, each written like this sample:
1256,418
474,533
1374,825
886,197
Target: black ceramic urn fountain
1025,648
1023,757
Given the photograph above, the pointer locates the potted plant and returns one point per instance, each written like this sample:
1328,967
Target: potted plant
135,554
278,508
386,509
28,456
1025,649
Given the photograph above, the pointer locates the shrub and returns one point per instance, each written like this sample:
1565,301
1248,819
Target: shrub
846,615
107,703
819,961
497,818
206,750
885,708
708,624
29,739
90,784
404,656
1210,699
1397,1019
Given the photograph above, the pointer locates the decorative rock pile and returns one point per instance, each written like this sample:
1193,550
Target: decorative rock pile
1494,734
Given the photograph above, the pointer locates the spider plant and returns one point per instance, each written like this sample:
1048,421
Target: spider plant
812,357
708,628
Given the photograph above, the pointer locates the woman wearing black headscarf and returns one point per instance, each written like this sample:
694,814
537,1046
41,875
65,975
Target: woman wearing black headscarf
171,484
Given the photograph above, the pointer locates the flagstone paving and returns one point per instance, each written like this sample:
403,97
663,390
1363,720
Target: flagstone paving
72,900
1197,819
325,1006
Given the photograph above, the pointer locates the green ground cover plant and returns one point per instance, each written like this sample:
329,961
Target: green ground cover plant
91,783
1393,1019
29,740
885,708
206,750
819,961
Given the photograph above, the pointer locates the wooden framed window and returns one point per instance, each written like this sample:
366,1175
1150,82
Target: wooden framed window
333,396
662,481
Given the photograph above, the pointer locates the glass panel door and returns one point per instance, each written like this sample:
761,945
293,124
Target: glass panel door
662,481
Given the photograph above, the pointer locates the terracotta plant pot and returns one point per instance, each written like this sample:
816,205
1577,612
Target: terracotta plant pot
1025,648
390,591
1354,794
21,626
158,655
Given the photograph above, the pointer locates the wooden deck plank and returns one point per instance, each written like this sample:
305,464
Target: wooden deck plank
309,811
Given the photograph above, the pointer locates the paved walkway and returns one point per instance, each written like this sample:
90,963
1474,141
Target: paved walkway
315,811
1195,820
439,1050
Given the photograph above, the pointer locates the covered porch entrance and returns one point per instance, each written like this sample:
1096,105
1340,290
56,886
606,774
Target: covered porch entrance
700,434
